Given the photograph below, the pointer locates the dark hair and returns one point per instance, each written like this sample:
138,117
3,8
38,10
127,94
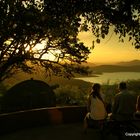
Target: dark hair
96,91
122,85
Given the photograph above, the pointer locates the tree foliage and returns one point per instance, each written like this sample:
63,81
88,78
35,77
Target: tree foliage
26,23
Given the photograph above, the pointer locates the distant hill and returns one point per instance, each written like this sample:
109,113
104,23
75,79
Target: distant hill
126,66
122,63
115,68
129,63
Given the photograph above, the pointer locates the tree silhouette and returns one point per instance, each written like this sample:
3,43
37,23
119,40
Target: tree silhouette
56,24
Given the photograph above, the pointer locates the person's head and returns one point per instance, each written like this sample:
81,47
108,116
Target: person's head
96,91
122,86
96,87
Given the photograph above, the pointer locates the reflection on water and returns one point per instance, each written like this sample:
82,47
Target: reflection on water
111,78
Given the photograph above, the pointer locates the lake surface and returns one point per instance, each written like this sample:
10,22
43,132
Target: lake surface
111,78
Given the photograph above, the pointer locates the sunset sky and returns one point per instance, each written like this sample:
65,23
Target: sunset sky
110,50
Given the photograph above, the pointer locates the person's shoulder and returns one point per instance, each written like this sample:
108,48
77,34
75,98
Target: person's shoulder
118,95
124,93
131,93
90,96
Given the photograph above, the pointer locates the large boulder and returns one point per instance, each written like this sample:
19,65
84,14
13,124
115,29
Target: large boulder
28,94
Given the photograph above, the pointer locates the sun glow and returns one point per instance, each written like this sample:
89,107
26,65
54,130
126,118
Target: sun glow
110,50
48,54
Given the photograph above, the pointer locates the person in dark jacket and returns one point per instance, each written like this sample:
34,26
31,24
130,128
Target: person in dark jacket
124,104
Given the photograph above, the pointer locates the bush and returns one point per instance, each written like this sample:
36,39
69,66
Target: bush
75,95
70,95
109,91
134,86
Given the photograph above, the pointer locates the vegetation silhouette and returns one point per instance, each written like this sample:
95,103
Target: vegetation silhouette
28,94
56,24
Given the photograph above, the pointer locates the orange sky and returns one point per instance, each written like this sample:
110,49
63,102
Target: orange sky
110,50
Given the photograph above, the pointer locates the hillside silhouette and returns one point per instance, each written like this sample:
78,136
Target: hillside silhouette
130,63
115,68
131,66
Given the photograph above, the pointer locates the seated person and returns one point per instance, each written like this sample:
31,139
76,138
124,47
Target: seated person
96,108
124,104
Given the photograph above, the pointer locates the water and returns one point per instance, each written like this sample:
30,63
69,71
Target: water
111,78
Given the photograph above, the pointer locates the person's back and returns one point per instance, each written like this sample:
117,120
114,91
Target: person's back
124,104
97,109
